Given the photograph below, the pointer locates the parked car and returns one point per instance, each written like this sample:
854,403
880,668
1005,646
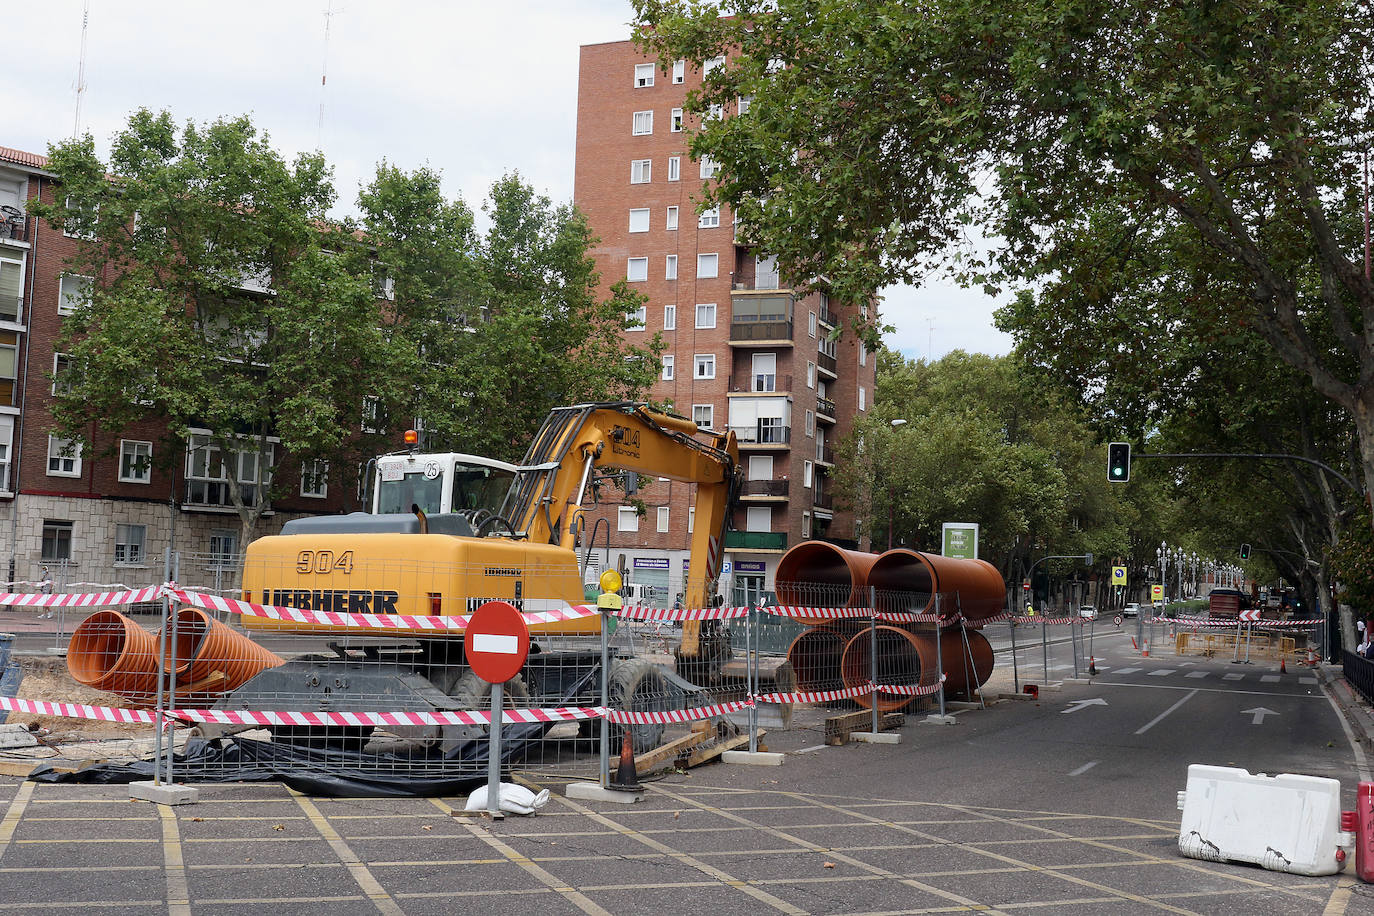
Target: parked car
1131,610
1087,612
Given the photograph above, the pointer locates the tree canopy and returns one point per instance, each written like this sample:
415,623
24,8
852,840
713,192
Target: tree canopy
1188,169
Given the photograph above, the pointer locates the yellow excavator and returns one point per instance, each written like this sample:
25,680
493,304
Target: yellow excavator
449,531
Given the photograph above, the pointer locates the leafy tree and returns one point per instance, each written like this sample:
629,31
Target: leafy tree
1227,137
218,303
505,325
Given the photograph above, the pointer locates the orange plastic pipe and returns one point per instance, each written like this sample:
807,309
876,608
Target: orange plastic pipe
220,659
110,652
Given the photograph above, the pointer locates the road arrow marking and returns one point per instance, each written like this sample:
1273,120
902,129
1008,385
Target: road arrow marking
1259,713
1076,705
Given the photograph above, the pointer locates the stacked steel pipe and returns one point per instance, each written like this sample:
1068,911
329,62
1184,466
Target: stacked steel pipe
111,652
832,654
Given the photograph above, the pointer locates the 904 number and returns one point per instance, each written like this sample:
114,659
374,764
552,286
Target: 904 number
324,561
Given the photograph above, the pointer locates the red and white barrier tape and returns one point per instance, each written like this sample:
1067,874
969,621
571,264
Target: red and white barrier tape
819,613
816,696
1197,622
383,719
79,711
696,713
907,617
81,599
638,612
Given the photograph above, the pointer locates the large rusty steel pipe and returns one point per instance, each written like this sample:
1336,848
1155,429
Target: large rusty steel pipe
815,658
907,580
909,658
819,574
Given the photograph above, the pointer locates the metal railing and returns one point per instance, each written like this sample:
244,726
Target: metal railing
827,362
760,382
825,407
1359,673
762,435
765,488
760,330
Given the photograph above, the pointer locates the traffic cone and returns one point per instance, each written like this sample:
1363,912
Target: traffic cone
1092,665
625,778
1144,648
1283,665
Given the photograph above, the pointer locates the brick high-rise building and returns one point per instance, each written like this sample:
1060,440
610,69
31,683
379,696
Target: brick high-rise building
744,351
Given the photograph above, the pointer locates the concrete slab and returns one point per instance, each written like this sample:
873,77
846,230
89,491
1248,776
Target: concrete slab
590,791
877,737
757,758
936,719
164,794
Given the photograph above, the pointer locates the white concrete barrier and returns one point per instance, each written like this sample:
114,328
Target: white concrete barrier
1288,822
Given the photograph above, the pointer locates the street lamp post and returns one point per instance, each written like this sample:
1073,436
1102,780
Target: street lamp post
894,424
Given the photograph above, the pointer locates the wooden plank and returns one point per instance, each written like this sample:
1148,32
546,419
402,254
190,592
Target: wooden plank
701,733
711,753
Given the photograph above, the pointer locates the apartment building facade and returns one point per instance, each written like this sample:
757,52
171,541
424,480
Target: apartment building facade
104,514
744,350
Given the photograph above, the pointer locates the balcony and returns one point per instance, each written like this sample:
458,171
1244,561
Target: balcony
825,409
764,489
14,225
756,540
753,332
762,436
823,500
759,383
827,363
825,454
11,308
827,317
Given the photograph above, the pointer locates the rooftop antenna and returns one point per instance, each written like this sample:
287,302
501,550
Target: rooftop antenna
324,75
81,69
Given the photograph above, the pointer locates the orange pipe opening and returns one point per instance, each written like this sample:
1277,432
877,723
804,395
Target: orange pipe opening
110,652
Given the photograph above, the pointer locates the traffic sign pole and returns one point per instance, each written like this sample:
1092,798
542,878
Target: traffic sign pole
497,643
498,699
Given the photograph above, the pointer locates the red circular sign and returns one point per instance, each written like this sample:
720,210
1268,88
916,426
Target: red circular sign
497,642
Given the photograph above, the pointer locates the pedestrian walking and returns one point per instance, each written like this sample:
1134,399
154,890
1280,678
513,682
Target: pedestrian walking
45,588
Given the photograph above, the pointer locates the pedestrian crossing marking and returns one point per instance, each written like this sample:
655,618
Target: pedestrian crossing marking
1127,670
1307,680
1232,677
1269,679
1161,672
1197,674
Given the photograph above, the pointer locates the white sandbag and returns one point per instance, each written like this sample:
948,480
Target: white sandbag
514,799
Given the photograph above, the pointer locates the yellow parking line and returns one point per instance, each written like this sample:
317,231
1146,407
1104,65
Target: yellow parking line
369,884
178,892
14,814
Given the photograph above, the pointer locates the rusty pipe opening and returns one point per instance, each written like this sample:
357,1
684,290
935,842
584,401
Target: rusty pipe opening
820,574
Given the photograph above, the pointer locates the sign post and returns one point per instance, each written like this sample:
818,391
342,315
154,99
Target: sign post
497,644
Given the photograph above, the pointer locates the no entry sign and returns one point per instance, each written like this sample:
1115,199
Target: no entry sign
498,642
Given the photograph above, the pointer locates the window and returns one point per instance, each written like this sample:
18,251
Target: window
668,367
810,374
210,472
224,548
765,372
808,472
639,219
806,524
372,409
766,273
810,423
675,121
674,168
708,266
315,478
636,318
6,440
72,291
637,270
679,71
715,112
863,354
627,519
662,519
745,101
641,170
760,467
706,315
709,65
862,396
671,223
691,518
758,518
11,284
135,461
643,123
82,219
708,167
703,414
644,76
705,365
57,540
710,219
61,374
129,543
64,457
670,268
772,430
670,318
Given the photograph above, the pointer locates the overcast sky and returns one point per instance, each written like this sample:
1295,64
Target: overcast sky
473,89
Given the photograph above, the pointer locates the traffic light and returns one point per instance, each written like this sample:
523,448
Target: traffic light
1245,551
1118,462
